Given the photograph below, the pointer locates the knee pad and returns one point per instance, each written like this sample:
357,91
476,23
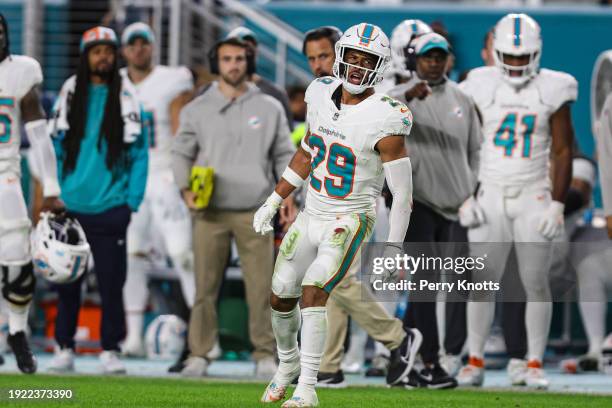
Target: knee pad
15,245
18,283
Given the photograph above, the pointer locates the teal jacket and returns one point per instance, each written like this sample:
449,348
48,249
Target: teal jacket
91,188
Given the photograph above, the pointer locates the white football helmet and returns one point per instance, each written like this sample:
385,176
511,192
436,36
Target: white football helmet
59,248
517,34
367,38
165,337
402,47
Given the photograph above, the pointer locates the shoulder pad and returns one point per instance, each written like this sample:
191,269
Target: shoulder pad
481,84
31,73
321,87
556,88
398,119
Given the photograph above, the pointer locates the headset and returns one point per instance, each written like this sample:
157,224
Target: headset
213,57
332,33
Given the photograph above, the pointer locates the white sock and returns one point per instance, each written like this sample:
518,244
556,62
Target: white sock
285,326
135,289
479,319
537,323
314,330
183,265
18,318
594,321
134,322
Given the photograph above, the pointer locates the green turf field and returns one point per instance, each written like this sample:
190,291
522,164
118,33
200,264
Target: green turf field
118,392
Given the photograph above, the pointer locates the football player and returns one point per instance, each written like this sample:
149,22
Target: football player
354,142
527,127
162,212
20,78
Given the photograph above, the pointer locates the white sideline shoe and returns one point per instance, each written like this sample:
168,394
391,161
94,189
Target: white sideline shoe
195,367
536,378
111,364
451,364
62,361
133,347
517,369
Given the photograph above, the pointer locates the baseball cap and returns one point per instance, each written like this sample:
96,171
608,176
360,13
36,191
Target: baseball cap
430,41
242,33
98,35
137,30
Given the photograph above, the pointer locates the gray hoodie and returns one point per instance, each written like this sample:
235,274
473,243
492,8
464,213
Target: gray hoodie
246,141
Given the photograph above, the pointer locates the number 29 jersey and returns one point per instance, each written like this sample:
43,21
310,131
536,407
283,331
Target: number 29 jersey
516,122
346,173
18,74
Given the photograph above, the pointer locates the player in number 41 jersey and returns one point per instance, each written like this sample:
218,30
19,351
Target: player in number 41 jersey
355,140
526,116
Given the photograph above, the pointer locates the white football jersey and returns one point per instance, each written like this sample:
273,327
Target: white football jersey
18,74
155,93
516,128
346,171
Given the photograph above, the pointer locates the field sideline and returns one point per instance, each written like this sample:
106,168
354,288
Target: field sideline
117,392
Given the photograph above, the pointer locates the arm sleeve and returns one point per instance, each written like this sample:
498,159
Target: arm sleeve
139,165
398,174
604,154
184,150
282,149
44,156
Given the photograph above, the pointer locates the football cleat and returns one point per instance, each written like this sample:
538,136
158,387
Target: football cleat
402,358
277,388
24,356
516,370
302,398
472,374
535,377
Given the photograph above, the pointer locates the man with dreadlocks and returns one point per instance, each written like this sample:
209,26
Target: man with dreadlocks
20,77
102,161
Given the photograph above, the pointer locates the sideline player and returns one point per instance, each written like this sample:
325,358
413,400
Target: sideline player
163,213
20,77
526,117
355,141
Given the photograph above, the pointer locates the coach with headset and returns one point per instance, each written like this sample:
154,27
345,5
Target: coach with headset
243,135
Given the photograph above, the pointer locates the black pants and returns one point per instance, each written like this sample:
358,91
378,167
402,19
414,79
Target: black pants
106,234
428,226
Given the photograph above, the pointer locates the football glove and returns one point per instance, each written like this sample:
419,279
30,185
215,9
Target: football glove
471,214
262,221
551,223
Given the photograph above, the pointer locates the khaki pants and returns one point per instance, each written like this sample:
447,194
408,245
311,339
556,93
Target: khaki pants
212,233
347,299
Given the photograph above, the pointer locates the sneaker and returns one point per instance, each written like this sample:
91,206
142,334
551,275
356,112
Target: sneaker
24,356
215,353
179,364
535,376
265,368
451,364
133,347
516,370
409,382
331,380
111,364
302,397
351,367
472,374
379,366
436,378
62,361
402,358
195,367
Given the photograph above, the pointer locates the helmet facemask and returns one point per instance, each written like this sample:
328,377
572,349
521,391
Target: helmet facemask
370,78
526,71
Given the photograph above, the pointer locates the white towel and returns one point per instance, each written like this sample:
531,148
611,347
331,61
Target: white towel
130,110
